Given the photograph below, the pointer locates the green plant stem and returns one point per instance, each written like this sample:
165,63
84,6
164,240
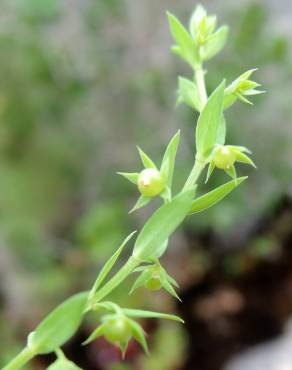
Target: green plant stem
120,276
20,360
195,174
200,80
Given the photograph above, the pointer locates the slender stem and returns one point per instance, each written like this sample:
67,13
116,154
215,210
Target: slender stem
20,360
120,276
200,80
195,174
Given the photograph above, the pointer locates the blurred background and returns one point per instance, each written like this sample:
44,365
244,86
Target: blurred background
81,83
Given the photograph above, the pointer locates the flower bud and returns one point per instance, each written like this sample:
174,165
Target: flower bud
150,182
154,283
117,329
224,157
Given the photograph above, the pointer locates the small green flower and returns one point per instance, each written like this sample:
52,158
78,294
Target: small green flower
240,88
150,182
224,158
154,277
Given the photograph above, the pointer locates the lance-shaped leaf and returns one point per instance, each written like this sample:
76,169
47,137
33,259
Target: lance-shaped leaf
188,93
215,44
150,315
109,265
168,161
187,48
146,160
162,224
208,200
208,122
59,325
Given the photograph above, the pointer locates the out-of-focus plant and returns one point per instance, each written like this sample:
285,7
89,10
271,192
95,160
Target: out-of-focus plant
118,325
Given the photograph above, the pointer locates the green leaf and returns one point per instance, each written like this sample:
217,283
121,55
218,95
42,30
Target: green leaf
210,171
221,132
161,225
141,202
214,196
138,334
188,93
196,18
215,44
208,122
150,314
147,161
109,265
98,332
169,157
59,325
187,48
160,249
132,177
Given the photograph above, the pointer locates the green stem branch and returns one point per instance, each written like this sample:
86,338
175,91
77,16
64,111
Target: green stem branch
200,80
20,360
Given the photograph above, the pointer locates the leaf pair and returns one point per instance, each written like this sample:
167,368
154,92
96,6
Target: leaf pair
166,171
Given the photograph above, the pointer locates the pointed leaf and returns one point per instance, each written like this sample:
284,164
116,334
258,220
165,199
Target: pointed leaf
132,177
59,325
147,161
109,265
188,93
169,156
141,202
208,122
214,196
210,170
150,314
188,49
162,224
215,44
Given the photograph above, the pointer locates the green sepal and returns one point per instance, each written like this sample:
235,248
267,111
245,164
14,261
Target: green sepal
132,177
139,335
146,160
243,158
141,280
98,332
198,14
211,168
166,194
213,197
141,202
231,171
63,364
167,286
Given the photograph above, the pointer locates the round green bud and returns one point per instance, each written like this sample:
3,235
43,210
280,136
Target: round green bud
153,283
150,182
117,330
224,157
